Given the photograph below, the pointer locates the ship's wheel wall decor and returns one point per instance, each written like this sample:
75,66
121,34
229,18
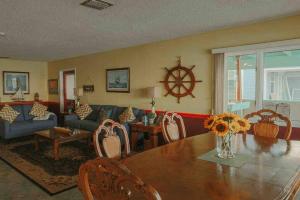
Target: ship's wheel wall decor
180,81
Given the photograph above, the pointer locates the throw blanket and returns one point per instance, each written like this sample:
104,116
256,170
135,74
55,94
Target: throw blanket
45,117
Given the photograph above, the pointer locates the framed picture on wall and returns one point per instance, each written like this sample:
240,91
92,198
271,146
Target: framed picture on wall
53,86
118,80
13,81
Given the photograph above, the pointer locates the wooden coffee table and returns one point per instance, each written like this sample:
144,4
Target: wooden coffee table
57,139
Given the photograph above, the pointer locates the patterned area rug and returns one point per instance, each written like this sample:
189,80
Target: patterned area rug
39,166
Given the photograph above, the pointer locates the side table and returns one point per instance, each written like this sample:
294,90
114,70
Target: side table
138,128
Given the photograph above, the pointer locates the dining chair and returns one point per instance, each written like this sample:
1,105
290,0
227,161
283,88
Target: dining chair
110,143
173,127
266,126
107,179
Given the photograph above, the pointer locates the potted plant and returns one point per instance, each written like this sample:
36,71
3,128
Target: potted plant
151,117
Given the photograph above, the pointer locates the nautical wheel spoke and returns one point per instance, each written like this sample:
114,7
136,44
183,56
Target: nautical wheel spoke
171,89
188,91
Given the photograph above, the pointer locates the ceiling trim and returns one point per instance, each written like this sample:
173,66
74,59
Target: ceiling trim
293,43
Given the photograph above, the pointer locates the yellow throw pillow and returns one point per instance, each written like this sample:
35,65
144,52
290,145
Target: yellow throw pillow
127,116
38,110
8,113
83,111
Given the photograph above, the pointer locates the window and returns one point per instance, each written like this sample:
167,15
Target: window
241,72
282,76
267,78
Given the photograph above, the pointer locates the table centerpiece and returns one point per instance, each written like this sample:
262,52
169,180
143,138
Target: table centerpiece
225,127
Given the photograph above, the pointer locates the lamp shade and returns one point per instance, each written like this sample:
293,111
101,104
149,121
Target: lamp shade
153,92
80,92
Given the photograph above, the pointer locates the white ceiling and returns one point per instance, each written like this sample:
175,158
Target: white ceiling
55,29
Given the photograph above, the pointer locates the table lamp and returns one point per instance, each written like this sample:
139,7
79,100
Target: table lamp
153,92
78,94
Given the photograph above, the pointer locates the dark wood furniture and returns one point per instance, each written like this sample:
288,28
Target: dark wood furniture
266,126
140,128
60,138
176,172
107,179
111,144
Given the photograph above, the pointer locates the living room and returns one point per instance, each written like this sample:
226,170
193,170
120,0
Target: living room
139,64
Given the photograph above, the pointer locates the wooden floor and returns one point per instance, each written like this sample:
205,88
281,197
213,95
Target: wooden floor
14,186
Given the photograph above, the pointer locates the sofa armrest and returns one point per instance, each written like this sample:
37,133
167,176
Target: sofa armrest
71,117
53,117
4,128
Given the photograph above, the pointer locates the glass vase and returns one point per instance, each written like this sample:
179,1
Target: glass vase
226,146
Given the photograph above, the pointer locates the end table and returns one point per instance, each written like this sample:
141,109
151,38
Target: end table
138,128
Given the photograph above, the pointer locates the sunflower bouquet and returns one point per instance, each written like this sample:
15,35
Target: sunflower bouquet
225,126
226,123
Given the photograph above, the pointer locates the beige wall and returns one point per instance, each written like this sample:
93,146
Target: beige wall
38,74
147,64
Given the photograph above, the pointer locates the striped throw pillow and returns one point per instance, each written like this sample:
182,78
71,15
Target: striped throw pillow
38,110
8,113
83,111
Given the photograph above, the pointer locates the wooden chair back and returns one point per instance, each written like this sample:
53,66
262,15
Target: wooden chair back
266,124
111,144
107,179
173,127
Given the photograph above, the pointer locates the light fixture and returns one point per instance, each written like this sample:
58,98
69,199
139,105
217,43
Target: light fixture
96,4
153,92
2,34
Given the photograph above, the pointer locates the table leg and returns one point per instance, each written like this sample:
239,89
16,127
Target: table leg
56,149
154,140
134,136
36,143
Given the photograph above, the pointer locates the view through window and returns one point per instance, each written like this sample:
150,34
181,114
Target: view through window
272,82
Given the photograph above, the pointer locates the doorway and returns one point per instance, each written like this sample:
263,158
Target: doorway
68,85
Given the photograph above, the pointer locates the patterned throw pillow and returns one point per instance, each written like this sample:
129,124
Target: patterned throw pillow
127,116
38,110
8,113
83,111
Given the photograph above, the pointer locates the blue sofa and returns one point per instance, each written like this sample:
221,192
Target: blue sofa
92,121
24,124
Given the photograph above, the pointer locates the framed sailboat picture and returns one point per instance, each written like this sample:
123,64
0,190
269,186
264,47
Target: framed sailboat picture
118,80
14,82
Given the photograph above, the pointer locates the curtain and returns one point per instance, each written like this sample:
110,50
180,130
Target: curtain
218,82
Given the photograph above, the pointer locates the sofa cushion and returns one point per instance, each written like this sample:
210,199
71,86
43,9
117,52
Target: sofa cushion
88,125
105,113
8,113
19,109
38,110
94,114
73,124
26,112
20,127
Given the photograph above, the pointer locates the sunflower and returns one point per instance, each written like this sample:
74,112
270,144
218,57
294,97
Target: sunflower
234,127
228,117
220,128
209,122
244,124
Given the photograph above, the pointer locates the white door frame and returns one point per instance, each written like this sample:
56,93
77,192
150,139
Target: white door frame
61,86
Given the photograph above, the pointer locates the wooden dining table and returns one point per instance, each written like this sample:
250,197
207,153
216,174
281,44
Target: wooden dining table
177,173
